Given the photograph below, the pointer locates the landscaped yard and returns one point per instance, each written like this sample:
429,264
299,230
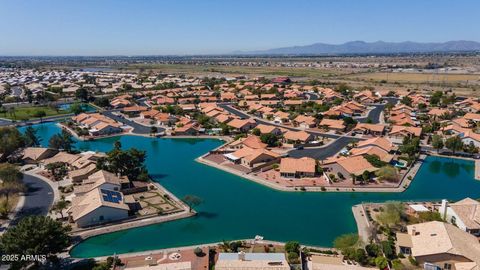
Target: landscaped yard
31,112
153,202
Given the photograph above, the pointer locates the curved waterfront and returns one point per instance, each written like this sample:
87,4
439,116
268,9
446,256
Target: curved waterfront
236,208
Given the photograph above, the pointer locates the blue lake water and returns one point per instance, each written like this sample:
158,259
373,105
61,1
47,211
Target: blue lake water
236,208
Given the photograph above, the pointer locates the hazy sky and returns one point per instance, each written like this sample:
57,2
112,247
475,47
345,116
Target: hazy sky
141,27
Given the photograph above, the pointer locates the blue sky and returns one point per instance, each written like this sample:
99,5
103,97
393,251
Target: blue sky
143,27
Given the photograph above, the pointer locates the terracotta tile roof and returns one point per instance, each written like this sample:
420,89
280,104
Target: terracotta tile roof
415,131
239,123
372,150
356,165
438,111
150,113
309,120
250,141
266,128
293,165
371,127
472,116
134,109
332,123
250,154
381,142
297,136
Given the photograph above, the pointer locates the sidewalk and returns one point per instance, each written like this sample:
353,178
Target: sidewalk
362,222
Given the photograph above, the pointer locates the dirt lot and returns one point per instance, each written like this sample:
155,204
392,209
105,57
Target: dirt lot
419,77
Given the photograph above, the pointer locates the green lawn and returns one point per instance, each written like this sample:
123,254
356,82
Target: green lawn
26,113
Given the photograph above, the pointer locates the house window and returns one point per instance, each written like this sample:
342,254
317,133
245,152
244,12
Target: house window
453,220
447,266
101,218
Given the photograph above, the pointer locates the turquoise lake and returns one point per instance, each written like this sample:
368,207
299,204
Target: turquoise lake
236,208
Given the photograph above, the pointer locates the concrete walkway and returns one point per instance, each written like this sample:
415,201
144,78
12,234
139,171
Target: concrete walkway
362,222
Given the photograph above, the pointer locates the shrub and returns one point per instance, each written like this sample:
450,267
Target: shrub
198,251
412,260
293,257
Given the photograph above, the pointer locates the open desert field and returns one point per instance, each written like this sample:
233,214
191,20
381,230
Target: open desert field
419,77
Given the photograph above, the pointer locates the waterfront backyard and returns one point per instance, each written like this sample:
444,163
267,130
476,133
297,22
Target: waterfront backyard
236,208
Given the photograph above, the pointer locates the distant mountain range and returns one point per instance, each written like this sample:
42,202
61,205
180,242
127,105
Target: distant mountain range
362,47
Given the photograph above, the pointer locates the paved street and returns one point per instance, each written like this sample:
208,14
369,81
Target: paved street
323,152
137,128
38,197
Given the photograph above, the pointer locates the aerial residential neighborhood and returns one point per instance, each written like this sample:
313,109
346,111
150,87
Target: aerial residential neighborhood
269,135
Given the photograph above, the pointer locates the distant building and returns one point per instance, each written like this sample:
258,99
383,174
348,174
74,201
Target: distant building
281,80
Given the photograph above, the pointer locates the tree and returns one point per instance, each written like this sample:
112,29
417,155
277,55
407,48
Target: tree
349,122
292,246
410,146
454,143
366,176
437,142
39,114
10,173
102,102
31,138
360,256
392,213
192,201
387,173
270,139
381,262
6,189
130,163
59,206
35,235
58,170
375,160
407,100
153,130
62,141
10,141
373,250
256,132
11,178
76,108
82,94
